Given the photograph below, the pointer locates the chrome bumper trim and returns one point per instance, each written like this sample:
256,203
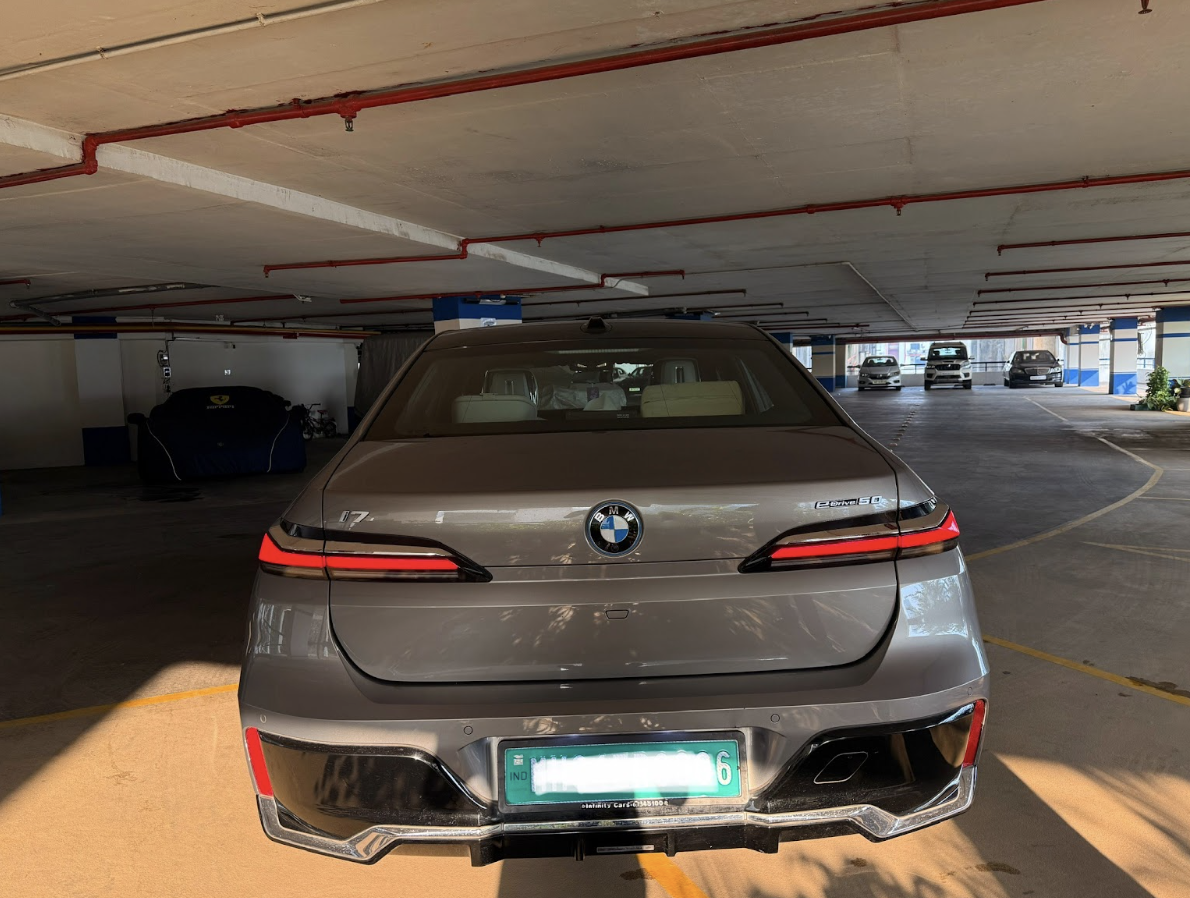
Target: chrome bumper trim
955,799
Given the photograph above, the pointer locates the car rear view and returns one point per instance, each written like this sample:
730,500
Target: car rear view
617,587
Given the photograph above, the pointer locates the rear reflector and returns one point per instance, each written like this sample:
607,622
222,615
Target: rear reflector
260,773
976,732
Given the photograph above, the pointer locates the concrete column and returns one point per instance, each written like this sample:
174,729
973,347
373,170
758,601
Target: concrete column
1088,355
1122,379
455,312
822,348
1173,340
101,395
841,366
1070,368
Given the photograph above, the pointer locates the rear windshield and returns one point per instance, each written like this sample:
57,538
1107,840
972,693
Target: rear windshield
948,352
1035,356
880,361
593,385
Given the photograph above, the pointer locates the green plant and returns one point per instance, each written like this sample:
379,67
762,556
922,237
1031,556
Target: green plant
1159,396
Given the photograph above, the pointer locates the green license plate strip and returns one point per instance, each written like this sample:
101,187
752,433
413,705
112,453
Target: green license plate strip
622,771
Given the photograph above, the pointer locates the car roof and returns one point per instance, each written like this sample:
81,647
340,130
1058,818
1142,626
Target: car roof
948,343
536,332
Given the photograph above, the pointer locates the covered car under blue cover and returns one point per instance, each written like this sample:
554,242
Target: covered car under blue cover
216,432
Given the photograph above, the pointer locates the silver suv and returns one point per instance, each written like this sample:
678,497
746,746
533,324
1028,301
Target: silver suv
948,365
613,587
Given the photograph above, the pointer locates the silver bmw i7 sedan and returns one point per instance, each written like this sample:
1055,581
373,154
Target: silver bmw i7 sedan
621,586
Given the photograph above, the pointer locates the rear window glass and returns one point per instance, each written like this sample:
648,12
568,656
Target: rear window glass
1036,356
602,384
947,352
880,361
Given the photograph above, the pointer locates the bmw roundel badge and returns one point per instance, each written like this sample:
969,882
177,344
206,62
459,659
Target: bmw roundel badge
614,529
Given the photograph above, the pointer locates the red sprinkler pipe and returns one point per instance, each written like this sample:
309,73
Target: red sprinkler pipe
182,328
1166,282
1005,274
349,105
515,291
1083,241
347,263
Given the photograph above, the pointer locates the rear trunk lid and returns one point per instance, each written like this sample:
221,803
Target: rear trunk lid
557,608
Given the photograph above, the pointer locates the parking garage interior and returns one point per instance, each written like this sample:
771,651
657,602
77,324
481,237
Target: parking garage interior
219,195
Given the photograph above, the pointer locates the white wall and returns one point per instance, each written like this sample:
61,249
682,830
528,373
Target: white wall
40,419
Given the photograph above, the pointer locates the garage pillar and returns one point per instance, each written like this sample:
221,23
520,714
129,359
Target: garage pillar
1122,377
822,350
1070,369
1173,340
1088,355
457,312
841,366
101,395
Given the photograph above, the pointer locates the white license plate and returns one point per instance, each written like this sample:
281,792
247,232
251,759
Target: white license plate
1037,377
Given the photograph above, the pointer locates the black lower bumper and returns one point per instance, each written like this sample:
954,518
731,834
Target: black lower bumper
358,803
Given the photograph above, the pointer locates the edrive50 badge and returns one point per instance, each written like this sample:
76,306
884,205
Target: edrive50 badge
614,529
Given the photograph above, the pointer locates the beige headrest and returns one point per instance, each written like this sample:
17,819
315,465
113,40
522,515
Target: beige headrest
494,407
688,400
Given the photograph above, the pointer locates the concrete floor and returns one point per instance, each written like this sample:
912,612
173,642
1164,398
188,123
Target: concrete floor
113,592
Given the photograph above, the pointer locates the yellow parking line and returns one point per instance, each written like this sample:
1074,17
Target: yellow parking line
1087,669
117,706
669,876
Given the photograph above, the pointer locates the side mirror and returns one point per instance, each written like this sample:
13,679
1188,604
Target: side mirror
136,418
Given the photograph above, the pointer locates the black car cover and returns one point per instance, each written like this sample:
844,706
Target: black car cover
218,431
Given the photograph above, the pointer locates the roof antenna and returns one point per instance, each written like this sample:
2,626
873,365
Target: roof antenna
595,325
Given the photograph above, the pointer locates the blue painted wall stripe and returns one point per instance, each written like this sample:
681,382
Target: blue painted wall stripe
1088,378
1174,313
1172,336
827,382
1123,383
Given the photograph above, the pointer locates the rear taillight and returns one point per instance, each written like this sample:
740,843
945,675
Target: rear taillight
294,552
924,529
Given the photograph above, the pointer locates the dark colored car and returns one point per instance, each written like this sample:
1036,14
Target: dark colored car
1033,368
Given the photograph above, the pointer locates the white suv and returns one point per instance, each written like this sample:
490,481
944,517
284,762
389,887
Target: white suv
948,365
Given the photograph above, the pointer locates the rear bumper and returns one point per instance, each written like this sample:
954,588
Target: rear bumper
911,778
1026,380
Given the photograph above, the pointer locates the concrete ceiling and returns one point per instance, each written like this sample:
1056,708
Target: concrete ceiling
1050,91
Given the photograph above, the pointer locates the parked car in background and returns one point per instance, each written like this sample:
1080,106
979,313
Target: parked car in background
1033,368
948,365
530,612
880,372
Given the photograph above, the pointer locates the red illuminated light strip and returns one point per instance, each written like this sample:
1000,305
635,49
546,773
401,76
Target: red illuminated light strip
271,553
976,731
948,530
260,772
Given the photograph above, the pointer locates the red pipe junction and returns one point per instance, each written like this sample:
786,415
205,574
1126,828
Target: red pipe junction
349,105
